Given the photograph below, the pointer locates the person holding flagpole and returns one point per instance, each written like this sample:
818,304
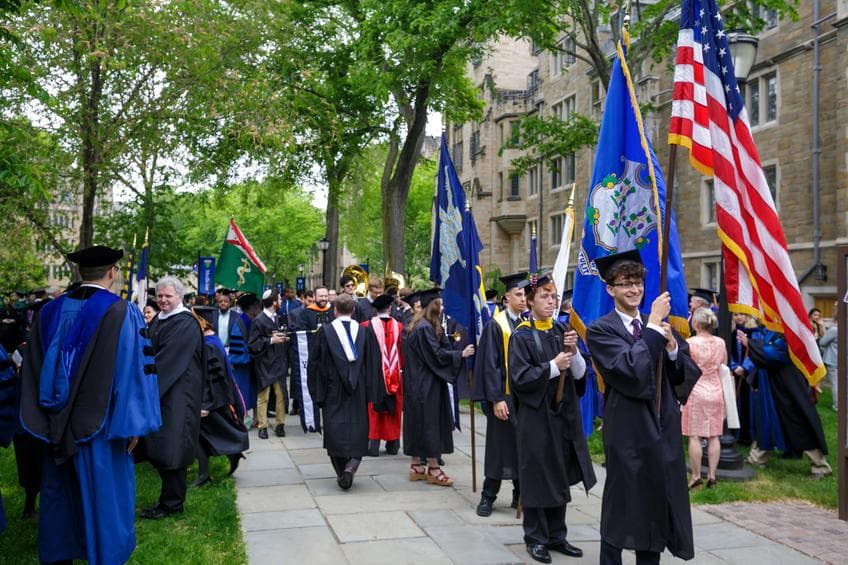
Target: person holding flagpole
546,375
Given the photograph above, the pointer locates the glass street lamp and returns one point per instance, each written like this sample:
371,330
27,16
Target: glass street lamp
323,245
743,49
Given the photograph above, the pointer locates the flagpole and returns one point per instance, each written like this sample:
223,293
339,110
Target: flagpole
470,373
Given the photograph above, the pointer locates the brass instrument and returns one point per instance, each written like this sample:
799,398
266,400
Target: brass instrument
394,280
360,278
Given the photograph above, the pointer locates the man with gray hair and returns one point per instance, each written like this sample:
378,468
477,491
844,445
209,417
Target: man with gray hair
180,365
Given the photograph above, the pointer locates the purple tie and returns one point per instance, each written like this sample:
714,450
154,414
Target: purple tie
637,329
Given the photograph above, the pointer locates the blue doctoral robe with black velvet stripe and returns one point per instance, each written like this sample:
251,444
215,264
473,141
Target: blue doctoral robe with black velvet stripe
88,386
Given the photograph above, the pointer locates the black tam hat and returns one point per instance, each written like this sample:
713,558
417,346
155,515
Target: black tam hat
382,302
605,264
704,293
541,280
95,256
429,295
518,280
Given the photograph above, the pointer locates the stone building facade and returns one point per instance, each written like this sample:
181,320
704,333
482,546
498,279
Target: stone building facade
517,80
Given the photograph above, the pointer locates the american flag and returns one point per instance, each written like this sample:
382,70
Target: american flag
708,117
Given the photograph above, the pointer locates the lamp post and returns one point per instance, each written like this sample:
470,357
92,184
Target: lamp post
323,244
731,466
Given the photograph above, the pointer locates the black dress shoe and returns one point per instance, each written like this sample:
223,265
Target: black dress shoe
202,480
345,480
539,552
373,448
484,509
280,430
392,447
158,512
567,549
263,433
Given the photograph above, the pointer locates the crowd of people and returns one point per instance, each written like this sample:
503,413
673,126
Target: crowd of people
92,386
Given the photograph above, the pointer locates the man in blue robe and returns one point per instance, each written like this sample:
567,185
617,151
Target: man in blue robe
89,390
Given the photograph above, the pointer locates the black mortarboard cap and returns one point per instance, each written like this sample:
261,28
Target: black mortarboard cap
604,264
382,302
517,280
95,256
704,293
429,295
247,300
224,291
542,279
412,298
567,294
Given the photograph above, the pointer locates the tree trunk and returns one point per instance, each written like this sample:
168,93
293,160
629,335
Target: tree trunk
331,255
91,149
395,186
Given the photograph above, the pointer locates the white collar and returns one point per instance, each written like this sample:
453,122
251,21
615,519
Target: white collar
627,319
344,318
180,308
510,315
270,312
94,285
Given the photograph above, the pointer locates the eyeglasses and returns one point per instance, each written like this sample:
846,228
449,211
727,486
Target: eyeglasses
629,285
349,284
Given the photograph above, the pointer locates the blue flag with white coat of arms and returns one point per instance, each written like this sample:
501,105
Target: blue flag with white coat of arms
624,208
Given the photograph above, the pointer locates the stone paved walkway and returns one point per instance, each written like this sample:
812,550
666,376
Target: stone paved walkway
292,511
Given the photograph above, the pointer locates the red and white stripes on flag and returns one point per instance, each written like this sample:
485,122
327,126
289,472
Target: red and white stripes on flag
709,118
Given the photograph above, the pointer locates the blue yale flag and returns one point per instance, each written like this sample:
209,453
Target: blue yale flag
624,208
455,265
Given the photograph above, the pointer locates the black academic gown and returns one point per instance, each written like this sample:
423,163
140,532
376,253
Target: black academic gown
501,461
269,360
343,389
364,310
799,420
429,365
552,449
181,368
646,499
222,431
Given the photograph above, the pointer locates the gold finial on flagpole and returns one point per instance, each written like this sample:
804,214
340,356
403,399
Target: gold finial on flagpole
571,198
626,22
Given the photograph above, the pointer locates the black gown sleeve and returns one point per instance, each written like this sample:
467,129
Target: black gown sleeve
528,378
489,372
439,358
176,337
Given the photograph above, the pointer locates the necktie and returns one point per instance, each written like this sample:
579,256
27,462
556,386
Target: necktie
637,329
346,324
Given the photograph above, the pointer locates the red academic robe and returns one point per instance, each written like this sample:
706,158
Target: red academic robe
386,425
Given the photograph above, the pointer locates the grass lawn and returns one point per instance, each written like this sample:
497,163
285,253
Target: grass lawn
208,531
781,479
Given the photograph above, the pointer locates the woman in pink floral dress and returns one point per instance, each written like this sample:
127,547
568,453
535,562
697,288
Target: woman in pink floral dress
703,414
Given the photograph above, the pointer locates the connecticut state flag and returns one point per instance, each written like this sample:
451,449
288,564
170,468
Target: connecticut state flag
624,208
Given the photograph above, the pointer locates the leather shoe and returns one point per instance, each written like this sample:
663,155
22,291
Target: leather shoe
567,549
280,430
373,448
392,447
263,433
539,552
158,512
484,509
345,480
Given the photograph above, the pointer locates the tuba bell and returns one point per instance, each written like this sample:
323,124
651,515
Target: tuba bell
360,278
393,280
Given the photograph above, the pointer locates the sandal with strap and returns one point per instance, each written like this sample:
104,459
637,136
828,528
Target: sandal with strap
439,477
415,474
